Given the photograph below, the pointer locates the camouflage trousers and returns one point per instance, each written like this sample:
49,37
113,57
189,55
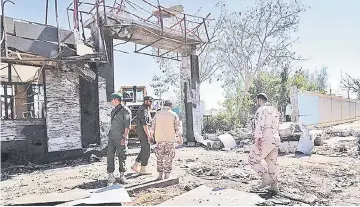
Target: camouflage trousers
165,153
269,153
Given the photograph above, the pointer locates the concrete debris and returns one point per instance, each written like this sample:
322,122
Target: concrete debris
206,196
339,146
114,194
227,140
289,131
288,147
286,129
212,137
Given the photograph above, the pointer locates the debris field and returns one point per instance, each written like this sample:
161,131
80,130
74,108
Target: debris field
330,176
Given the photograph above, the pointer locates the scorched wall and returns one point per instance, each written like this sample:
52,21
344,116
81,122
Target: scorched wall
63,117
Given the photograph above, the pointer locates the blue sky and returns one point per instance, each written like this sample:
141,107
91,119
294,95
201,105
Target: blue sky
329,36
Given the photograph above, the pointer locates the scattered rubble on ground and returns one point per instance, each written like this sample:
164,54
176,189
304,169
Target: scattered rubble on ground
328,177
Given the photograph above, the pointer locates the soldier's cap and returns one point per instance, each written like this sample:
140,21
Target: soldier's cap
262,96
116,96
168,103
148,98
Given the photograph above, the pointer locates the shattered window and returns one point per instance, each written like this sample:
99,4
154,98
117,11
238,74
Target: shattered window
22,92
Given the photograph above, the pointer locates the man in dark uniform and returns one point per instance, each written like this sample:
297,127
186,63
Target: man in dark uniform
143,120
118,135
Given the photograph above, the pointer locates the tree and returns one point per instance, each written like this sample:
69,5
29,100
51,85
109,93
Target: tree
258,38
255,41
284,88
352,84
321,79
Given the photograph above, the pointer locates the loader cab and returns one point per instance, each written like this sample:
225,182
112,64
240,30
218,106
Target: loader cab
133,94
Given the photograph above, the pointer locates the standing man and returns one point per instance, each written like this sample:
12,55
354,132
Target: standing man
166,128
118,135
266,145
143,119
288,111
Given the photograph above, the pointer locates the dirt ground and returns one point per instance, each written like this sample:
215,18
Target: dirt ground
330,176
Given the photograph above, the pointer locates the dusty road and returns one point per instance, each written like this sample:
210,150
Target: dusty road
331,176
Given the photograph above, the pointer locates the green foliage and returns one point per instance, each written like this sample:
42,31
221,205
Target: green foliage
276,85
218,122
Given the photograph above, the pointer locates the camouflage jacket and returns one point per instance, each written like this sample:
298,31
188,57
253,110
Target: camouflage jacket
267,122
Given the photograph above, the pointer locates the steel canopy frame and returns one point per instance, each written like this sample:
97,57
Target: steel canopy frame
179,37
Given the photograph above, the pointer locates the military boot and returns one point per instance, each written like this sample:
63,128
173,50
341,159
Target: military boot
111,179
122,178
160,177
265,181
274,187
167,176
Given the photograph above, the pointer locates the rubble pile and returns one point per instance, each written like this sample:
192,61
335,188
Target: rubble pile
7,173
243,175
220,140
289,131
343,132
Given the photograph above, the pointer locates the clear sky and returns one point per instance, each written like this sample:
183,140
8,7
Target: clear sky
329,36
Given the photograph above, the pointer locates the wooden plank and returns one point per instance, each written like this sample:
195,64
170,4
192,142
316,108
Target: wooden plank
43,33
152,184
44,49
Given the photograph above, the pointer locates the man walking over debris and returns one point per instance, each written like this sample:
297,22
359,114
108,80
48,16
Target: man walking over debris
267,140
166,128
143,119
118,135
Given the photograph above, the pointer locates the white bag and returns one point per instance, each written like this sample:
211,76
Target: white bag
306,144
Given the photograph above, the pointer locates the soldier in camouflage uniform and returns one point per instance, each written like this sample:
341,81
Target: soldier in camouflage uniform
166,128
267,140
118,135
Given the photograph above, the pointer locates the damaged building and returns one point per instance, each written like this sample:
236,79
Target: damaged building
49,105
55,85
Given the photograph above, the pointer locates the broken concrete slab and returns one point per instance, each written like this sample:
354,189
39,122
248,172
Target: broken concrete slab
288,146
152,183
43,33
228,141
206,196
51,198
114,194
286,129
